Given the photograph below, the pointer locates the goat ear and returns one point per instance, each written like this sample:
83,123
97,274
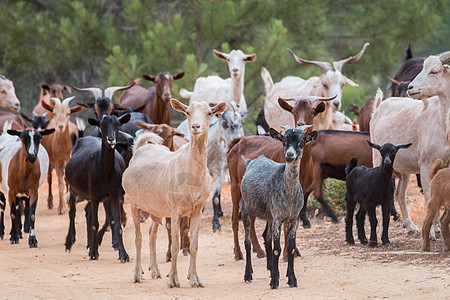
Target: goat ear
219,108
178,106
275,134
47,106
14,132
44,88
244,114
67,89
311,137
47,131
149,77
124,119
373,145
403,146
178,76
220,55
350,82
27,118
75,109
319,108
145,126
284,105
93,122
250,57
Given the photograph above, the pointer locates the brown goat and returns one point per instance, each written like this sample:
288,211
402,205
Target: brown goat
47,92
17,123
169,134
253,146
439,191
59,145
155,100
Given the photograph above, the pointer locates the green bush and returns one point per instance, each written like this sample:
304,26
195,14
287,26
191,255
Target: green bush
334,194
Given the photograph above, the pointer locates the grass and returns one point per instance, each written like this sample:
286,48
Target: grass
334,194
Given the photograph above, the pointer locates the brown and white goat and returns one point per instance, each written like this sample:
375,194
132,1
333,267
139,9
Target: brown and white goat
176,184
59,145
23,167
155,100
48,92
439,191
9,101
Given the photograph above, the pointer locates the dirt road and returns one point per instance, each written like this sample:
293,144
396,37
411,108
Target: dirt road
328,268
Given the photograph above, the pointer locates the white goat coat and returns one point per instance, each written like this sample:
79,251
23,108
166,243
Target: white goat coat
160,181
9,145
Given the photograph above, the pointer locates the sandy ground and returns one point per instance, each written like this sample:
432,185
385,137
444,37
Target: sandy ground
327,269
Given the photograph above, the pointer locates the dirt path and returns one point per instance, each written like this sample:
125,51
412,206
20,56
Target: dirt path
328,268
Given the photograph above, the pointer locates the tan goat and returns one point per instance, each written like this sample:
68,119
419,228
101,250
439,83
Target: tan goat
439,191
59,144
176,184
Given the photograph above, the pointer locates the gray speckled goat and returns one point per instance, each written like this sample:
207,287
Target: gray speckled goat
271,191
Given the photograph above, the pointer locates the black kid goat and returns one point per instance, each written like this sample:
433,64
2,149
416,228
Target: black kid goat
370,187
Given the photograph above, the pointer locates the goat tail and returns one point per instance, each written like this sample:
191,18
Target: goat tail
351,165
267,79
186,94
81,125
378,98
435,167
233,143
146,137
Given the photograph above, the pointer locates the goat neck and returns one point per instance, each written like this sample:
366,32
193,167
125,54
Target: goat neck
237,87
291,174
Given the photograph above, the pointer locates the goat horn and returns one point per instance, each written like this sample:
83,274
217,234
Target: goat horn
286,128
351,60
444,57
109,92
35,114
304,127
43,115
98,93
67,100
56,100
317,98
393,80
233,105
325,66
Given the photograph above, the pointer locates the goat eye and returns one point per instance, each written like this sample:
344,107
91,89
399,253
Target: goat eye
225,125
325,86
433,72
3,91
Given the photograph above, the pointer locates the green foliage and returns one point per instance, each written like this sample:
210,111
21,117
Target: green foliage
334,194
110,42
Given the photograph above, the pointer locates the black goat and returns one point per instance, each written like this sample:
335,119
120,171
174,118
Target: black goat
38,122
371,187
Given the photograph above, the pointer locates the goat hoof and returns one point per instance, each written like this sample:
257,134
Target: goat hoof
93,254
50,203
248,278
185,252
216,225
350,241
220,213
32,242
154,272
386,242
373,244
260,255
173,281
238,256
292,281
194,281
363,241
396,217
123,257
306,223
274,283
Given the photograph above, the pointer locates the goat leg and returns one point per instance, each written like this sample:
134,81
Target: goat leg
256,246
386,209
49,181
26,213
275,274
445,221
15,216
360,219
185,241
2,215
248,248
285,248
291,230
169,237
32,241
373,242
305,222
267,235
70,239
116,229
88,214
93,248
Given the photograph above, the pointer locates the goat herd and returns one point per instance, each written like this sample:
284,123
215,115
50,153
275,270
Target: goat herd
166,172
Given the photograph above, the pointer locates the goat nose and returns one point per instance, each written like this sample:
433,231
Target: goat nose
195,126
166,95
235,70
290,154
410,87
301,124
110,140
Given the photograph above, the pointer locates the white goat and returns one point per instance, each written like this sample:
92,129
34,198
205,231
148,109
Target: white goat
424,123
330,83
341,121
212,88
176,184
